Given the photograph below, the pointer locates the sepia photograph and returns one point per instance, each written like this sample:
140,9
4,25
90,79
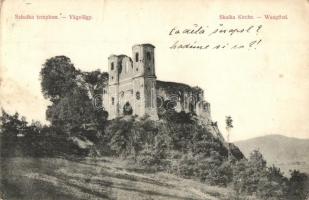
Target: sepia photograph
154,100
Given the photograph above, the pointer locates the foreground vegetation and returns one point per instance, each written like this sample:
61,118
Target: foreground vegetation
186,151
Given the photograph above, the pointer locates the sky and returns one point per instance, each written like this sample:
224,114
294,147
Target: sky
265,87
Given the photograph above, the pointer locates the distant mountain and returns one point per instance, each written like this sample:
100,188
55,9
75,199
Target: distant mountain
285,152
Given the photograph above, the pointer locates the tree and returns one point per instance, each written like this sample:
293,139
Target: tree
257,160
11,129
72,112
57,77
229,126
73,93
93,82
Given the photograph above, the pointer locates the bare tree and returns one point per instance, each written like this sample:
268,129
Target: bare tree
229,126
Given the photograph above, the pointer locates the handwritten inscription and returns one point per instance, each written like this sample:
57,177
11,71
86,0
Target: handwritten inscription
203,37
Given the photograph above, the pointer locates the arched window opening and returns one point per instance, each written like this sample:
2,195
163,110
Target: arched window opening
127,109
138,95
112,66
136,57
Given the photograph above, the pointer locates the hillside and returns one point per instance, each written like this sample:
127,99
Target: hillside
285,152
135,158
104,178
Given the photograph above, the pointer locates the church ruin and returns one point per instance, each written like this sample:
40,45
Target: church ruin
133,88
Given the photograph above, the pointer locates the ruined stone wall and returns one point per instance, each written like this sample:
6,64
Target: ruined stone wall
187,99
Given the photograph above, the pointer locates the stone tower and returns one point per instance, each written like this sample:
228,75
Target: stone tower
113,85
144,80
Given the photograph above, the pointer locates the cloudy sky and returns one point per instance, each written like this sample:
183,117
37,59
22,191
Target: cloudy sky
265,88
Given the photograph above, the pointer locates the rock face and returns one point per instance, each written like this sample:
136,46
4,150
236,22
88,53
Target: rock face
133,83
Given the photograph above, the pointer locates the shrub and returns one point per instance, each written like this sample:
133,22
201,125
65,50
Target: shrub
226,172
298,186
272,186
187,166
208,168
247,174
153,156
18,138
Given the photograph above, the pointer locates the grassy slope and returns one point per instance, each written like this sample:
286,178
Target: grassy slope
104,178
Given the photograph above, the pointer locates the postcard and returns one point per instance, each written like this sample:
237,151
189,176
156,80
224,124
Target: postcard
154,99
